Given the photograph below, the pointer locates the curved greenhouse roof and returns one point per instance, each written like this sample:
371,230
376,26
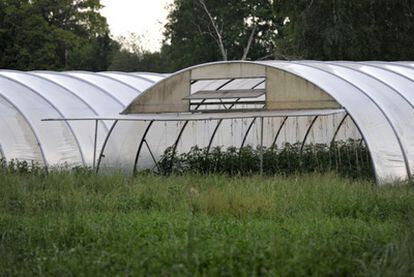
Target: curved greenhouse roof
216,104
376,98
28,97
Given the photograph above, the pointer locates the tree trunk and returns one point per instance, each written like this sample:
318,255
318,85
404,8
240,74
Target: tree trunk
218,34
249,43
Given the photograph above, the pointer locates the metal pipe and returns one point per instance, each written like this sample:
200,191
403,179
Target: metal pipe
307,133
279,131
338,129
247,133
152,155
140,146
101,154
261,145
95,142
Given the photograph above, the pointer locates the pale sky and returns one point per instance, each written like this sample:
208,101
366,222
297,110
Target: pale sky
143,17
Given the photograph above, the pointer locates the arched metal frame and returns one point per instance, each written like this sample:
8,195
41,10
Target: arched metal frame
101,154
71,83
247,132
390,159
75,96
251,126
213,136
89,106
141,73
66,89
279,131
175,145
57,111
71,87
377,97
285,66
83,79
33,130
86,104
186,123
96,87
339,128
125,83
144,136
179,135
386,115
221,121
106,73
307,133
2,156
402,95
110,76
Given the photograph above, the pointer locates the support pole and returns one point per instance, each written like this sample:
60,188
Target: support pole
152,155
2,156
101,154
279,131
261,145
3,161
95,142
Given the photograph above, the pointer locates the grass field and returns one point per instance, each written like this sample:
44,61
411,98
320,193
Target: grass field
69,224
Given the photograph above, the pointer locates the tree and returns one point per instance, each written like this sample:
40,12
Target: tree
131,56
208,30
49,34
95,54
349,29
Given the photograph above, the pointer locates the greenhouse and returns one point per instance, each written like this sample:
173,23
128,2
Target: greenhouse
120,121
28,97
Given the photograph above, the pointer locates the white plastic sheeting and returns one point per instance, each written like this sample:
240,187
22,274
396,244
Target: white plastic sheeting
377,97
28,97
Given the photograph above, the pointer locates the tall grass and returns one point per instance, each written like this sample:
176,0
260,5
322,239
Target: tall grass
77,223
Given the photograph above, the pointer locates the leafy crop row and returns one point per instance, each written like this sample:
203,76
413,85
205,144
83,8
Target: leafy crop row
348,158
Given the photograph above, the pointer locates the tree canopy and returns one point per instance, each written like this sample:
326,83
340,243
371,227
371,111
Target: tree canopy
349,29
72,34
207,30
49,34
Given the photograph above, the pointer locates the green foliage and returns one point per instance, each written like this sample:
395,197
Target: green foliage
350,159
348,30
131,56
72,34
57,35
305,29
190,37
95,54
21,167
83,224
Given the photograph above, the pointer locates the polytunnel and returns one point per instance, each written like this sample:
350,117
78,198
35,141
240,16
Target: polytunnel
126,121
270,103
28,97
